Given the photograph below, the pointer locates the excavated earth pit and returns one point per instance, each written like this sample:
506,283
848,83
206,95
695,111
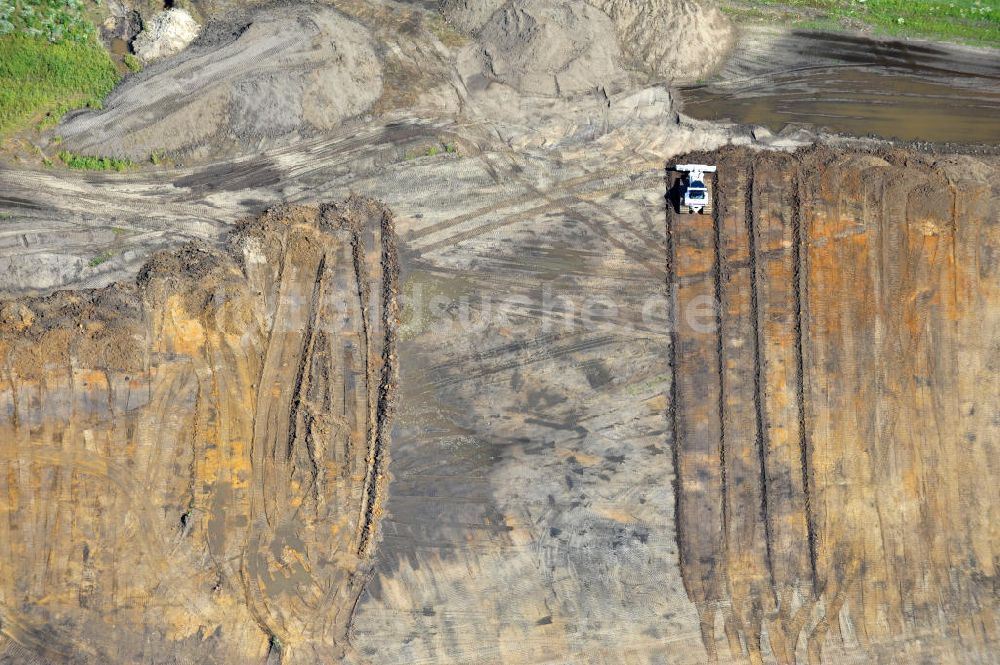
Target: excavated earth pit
589,462
576,476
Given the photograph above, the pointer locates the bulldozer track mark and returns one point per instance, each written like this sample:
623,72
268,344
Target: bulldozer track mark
800,237
719,270
758,366
584,343
560,196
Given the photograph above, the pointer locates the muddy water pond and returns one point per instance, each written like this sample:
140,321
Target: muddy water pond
856,85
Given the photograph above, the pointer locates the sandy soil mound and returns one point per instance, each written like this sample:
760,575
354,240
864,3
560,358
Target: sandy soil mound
167,34
281,73
679,40
470,15
550,48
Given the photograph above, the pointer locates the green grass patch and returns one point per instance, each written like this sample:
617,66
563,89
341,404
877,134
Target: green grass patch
52,20
103,257
91,163
41,81
970,21
133,63
432,150
50,63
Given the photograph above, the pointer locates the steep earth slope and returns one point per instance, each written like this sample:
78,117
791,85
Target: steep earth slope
836,431
194,465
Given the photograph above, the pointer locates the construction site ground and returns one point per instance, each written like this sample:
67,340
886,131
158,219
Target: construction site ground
534,438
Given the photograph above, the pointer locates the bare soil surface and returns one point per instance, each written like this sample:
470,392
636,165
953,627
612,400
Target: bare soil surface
912,90
216,434
263,77
589,462
820,489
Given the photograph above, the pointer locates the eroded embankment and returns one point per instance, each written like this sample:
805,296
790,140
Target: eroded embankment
836,431
196,463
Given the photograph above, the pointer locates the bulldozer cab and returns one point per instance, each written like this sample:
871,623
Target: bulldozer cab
695,188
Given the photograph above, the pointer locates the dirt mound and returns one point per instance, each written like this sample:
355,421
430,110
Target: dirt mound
278,74
677,40
167,34
470,15
550,48
215,434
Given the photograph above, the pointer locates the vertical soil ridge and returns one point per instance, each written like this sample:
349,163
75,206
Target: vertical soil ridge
387,386
300,385
799,239
718,270
758,365
672,414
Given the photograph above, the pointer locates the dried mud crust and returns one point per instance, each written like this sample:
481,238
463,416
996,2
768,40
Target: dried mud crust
231,409
833,431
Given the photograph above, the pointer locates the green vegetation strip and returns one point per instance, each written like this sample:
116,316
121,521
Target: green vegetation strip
103,257
50,63
970,21
91,163
133,63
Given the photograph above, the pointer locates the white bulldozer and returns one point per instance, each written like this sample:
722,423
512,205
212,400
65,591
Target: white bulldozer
696,188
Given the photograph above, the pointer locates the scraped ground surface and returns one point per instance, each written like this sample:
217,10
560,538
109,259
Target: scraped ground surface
198,458
834,433
277,73
557,485
579,472
909,90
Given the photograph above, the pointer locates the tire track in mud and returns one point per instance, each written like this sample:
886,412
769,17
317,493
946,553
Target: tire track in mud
144,203
780,426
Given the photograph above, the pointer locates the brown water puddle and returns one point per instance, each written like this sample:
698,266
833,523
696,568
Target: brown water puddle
857,86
